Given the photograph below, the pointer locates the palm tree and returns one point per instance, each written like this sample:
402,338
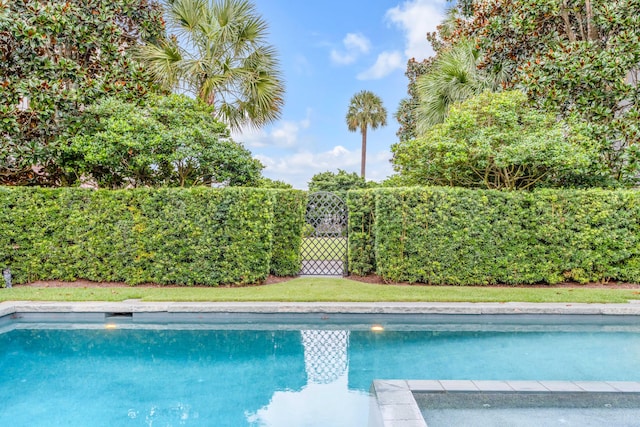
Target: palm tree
365,110
219,54
453,77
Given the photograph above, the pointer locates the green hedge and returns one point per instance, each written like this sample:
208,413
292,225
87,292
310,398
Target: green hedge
466,237
289,207
361,205
166,236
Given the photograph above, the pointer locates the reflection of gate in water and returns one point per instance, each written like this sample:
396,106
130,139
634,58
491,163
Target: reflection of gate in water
324,244
325,355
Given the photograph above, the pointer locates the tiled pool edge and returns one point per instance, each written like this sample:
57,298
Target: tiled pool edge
394,404
136,306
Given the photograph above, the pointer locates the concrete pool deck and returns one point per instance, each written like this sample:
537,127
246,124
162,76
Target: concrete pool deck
136,306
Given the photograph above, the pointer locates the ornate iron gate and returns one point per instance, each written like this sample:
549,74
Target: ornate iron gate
324,243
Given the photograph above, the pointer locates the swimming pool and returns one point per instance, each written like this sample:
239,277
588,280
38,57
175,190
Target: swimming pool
498,409
236,369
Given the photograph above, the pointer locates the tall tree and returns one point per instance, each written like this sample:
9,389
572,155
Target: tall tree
56,58
498,141
405,114
220,54
573,58
365,111
454,76
451,75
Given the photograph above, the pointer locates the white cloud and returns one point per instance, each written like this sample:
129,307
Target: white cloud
285,134
342,58
416,18
255,138
354,45
309,406
337,158
302,66
386,63
298,168
357,42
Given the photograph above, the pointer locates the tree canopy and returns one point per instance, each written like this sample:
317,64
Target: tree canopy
454,76
496,141
405,114
365,111
571,57
56,58
339,182
168,141
219,53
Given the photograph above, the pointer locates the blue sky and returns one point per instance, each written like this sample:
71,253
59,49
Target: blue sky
330,50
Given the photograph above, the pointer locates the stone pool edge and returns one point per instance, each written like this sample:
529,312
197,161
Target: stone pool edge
136,306
394,404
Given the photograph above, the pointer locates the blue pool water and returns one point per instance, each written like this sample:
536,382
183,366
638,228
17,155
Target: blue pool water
253,374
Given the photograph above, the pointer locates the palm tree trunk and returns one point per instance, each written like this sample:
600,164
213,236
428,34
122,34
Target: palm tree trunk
363,161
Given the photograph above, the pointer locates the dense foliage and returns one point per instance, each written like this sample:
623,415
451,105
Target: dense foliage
494,140
170,141
572,58
166,236
361,247
288,219
56,58
473,237
273,183
453,77
220,54
405,112
338,183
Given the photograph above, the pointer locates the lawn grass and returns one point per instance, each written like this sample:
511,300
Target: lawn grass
327,289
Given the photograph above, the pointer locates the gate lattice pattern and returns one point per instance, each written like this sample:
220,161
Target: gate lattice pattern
325,355
324,246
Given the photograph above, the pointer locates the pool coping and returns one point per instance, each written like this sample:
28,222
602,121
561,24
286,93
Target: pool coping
394,403
137,306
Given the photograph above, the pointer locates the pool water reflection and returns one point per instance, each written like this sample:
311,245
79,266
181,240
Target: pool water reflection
254,374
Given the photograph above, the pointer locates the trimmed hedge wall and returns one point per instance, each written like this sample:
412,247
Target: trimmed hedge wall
361,256
167,236
467,237
239,235
289,207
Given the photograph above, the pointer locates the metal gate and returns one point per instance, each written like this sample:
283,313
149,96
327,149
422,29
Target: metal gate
324,243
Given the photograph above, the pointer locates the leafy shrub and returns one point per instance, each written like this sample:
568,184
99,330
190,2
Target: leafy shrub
287,235
496,141
167,236
338,183
361,206
171,141
472,237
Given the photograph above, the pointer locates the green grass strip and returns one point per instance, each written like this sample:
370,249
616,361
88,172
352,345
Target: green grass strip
325,290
